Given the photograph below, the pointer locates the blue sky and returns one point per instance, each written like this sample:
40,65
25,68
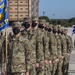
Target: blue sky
63,9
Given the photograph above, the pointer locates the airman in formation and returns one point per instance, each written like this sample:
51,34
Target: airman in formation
36,48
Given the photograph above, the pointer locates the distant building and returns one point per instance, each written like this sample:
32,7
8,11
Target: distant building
18,9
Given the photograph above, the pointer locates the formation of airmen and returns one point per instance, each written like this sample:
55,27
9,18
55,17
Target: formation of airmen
36,48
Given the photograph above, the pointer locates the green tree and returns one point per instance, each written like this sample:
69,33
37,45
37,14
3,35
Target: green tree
64,23
45,17
54,22
72,21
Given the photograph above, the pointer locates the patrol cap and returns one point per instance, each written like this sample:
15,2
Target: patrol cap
55,27
47,23
65,29
27,19
35,19
17,24
62,28
59,27
42,21
50,25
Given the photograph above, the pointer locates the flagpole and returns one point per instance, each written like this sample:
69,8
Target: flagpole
6,30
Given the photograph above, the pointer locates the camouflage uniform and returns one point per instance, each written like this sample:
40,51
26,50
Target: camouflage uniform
70,44
39,52
32,39
59,67
52,49
25,32
64,51
31,36
20,54
55,54
1,41
69,48
59,54
46,52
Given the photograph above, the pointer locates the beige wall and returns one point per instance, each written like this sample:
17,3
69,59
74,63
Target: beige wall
22,8
13,16
35,8
20,2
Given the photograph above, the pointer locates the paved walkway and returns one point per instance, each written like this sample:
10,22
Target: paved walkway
72,63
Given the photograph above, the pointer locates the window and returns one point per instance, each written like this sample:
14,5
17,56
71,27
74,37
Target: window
15,8
16,2
21,8
21,15
21,2
10,8
10,2
26,15
10,15
15,15
26,8
26,2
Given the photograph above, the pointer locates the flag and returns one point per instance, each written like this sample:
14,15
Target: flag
73,31
3,14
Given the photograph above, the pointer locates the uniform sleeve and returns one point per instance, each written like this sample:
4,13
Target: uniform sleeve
55,50
68,45
71,45
59,48
3,51
28,53
64,46
39,48
52,46
46,48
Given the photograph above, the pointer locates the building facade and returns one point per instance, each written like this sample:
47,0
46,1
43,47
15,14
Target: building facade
18,9
35,8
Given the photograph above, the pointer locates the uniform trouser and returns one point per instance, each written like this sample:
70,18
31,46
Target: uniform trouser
64,68
59,67
50,68
67,64
33,70
68,59
40,70
47,69
54,68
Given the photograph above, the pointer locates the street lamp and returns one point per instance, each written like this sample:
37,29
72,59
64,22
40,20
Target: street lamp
53,19
60,20
44,13
53,16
